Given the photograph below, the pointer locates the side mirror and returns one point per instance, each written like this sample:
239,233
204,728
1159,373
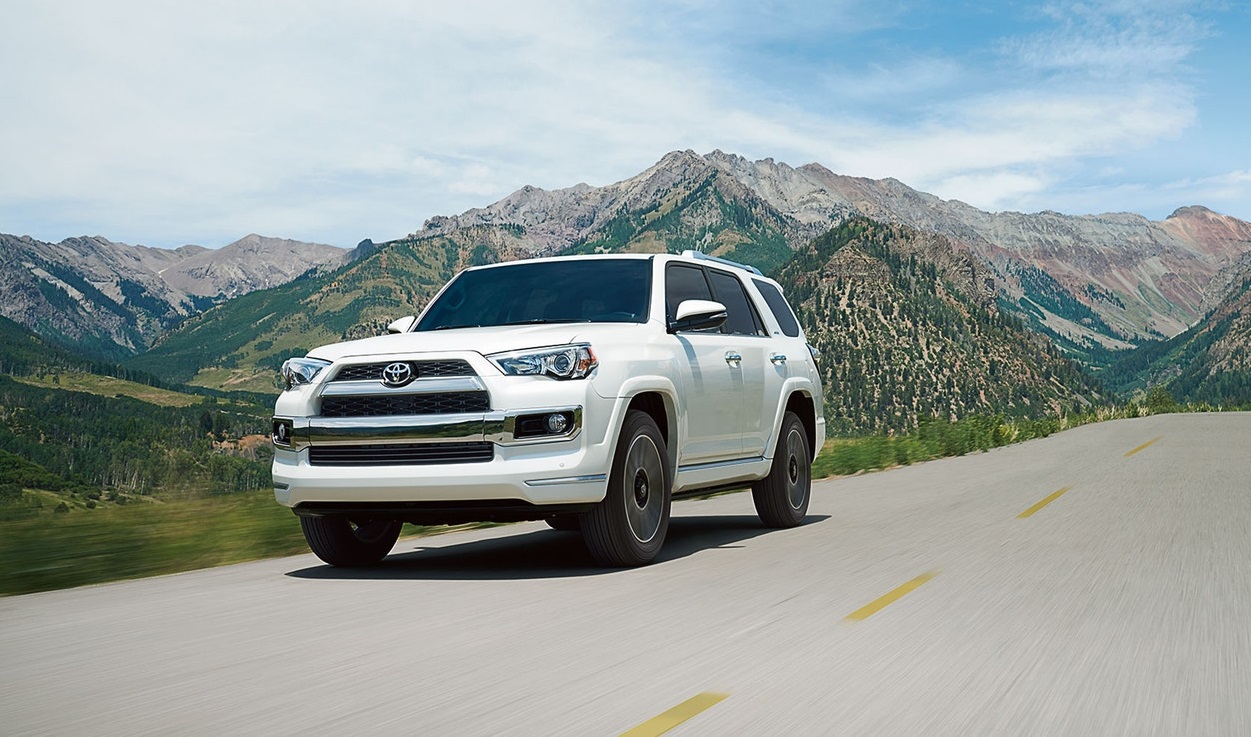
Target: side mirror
402,325
698,314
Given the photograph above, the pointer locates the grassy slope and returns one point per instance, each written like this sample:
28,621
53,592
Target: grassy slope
108,386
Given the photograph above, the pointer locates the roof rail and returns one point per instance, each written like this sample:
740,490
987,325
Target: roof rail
705,257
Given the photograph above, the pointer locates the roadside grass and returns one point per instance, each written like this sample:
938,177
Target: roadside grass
939,439
846,456
88,546
56,551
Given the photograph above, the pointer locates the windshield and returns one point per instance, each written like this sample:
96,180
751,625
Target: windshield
583,290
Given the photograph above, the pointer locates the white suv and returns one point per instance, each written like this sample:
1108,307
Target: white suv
588,391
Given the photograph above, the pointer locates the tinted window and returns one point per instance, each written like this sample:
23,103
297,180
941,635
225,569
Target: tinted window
600,290
778,306
683,283
742,318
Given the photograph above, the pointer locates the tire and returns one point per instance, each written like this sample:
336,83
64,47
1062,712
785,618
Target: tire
628,527
565,522
347,543
782,497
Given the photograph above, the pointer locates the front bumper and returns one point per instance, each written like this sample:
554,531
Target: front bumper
549,474
481,460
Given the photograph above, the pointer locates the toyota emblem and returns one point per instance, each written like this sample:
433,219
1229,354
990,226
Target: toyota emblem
398,374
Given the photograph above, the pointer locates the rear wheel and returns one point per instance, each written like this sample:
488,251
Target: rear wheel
340,541
628,527
782,497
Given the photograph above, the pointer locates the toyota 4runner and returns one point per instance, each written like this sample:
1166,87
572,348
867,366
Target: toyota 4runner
587,391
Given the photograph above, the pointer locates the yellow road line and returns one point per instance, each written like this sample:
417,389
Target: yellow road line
877,605
1145,445
1050,498
662,723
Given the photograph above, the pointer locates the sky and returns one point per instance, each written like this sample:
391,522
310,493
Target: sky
165,124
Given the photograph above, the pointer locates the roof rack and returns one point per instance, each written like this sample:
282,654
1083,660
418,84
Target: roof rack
705,257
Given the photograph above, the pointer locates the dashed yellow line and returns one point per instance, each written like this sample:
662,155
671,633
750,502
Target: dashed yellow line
877,605
1145,445
684,711
1050,498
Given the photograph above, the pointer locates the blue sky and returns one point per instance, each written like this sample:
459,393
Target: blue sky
173,123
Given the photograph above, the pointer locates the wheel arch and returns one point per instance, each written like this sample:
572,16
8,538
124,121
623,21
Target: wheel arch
660,407
802,404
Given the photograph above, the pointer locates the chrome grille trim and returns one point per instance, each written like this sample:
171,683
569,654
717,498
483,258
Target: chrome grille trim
384,430
339,388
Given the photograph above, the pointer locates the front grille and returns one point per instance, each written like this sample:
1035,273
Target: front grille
429,369
383,405
405,454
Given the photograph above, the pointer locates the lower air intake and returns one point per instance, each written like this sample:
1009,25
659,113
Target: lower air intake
403,454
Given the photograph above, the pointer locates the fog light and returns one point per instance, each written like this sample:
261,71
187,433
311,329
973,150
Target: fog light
557,423
281,433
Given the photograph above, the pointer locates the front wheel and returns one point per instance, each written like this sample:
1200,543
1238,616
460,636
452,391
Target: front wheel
348,543
628,527
782,497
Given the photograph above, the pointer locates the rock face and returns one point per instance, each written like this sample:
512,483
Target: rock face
1092,282
112,300
250,263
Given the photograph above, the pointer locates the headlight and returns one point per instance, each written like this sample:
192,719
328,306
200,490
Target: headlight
296,371
560,362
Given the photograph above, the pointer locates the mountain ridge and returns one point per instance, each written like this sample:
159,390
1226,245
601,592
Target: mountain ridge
112,299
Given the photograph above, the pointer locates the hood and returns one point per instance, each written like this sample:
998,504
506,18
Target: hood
482,340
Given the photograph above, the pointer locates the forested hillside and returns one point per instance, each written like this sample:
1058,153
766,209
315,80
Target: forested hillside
908,330
62,449
89,448
242,343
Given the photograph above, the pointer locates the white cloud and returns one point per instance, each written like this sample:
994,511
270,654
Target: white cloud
333,122
1116,40
994,190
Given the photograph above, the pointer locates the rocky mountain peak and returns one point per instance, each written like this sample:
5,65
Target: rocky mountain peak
250,263
1191,211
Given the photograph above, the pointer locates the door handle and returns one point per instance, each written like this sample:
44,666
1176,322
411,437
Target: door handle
777,359
734,358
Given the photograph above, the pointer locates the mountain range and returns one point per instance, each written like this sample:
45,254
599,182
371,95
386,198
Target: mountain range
921,306
112,300
1090,281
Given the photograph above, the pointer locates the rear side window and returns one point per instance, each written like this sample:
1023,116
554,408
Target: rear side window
742,318
778,306
683,283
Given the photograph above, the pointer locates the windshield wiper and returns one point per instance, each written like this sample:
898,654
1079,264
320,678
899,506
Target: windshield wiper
542,321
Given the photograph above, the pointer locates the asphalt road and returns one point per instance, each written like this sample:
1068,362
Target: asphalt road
917,601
